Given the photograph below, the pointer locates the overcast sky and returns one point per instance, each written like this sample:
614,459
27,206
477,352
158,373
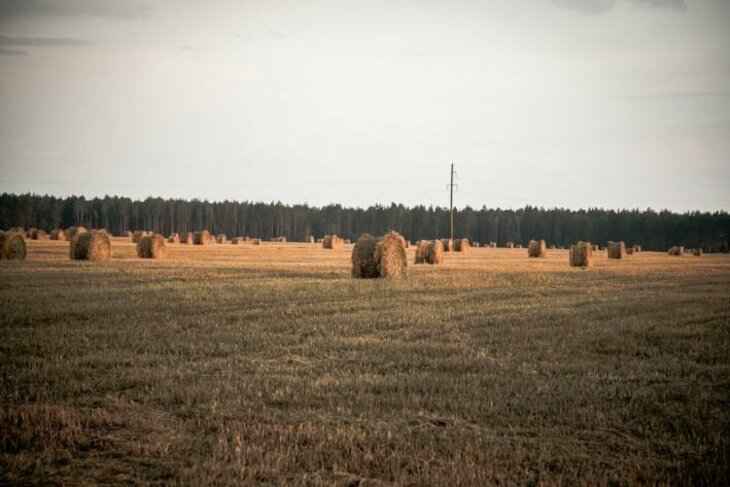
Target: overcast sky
575,103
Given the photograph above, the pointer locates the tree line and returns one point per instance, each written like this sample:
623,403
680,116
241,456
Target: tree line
654,230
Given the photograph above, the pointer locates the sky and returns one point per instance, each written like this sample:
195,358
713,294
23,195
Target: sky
569,103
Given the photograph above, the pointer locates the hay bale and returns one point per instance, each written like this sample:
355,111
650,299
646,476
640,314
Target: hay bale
151,247
461,245
448,244
12,246
187,238
422,248
616,250
537,248
697,252
279,239
311,239
510,245
364,264
58,234
173,238
332,242
435,253
95,246
202,238
71,232
581,254
637,249
255,241
390,254
629,251
236,240
220,238
676,251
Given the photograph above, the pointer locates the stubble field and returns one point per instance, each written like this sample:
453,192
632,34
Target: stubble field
242,364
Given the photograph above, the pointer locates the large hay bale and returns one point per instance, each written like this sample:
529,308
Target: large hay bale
461,245
390,254
137,236
201,238
637,249
510,245
676,251
151,247
697,252
71,232
422,248
435,254
58,234
93,245
629,251
173,238
220,238
255,241
448,244
537,248
12,246
581,254
364,264
186,238
332,242
616,250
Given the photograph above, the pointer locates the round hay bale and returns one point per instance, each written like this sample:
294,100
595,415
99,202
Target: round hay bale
58,234
151,247
697,252
448,244
255,241
221,238
71,232
616,250
12,246
95,246
390,254
201,238
537,248
677,251
581,254
364,264
235,240
173,238
629,251
435,254
637,249
422,248
462,245
332,242
510,245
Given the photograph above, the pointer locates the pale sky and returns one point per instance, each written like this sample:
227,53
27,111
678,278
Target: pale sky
574,103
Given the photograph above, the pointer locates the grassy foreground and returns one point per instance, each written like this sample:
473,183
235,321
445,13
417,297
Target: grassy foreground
269,365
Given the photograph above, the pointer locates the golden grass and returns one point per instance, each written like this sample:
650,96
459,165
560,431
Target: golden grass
269,365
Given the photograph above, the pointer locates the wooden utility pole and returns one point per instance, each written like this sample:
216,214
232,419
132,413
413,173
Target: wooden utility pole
451,201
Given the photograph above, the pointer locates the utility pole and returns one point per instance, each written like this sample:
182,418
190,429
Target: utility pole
451,201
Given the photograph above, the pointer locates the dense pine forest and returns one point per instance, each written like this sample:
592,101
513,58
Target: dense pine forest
656,230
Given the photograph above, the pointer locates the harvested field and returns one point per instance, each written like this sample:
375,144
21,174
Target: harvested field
269,364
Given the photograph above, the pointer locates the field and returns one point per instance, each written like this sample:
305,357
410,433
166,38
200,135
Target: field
241,364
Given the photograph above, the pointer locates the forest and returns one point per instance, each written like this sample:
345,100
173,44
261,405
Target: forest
654,230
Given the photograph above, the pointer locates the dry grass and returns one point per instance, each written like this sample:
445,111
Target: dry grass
270,365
